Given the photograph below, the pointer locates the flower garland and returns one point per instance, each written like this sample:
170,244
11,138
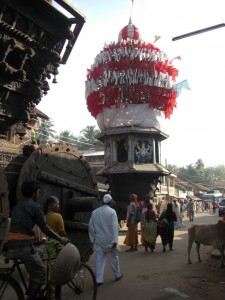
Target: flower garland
131,71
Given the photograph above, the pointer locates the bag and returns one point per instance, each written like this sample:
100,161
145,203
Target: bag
163,223
138,214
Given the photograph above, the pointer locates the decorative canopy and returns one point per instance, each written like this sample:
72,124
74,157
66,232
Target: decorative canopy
131,71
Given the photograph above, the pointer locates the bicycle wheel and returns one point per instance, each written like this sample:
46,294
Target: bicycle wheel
10,290
84,283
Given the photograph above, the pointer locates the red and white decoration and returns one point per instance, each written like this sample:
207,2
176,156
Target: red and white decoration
130,71
129,32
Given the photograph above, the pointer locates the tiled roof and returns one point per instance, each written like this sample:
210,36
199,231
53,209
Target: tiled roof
189,184
130,167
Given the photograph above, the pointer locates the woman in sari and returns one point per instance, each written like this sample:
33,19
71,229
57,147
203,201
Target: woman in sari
148,199
55,222
131,238
167,232
149,226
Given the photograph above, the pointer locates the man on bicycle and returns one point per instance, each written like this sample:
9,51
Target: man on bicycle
24,216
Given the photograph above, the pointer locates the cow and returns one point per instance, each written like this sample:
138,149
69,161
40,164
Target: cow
208,235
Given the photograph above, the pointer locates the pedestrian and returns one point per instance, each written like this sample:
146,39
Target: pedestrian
162,205
167,232
190,207
144,209
176,209
24,216
103,233
203,206
131,238
55,221
214,204
182,209
149,226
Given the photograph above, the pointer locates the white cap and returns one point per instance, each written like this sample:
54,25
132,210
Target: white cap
107,198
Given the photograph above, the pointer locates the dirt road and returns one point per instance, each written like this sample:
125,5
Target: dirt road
167,275
164,276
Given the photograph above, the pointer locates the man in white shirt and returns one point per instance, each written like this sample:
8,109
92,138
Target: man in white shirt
103,234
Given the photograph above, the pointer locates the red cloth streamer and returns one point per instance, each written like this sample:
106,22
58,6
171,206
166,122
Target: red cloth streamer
131,72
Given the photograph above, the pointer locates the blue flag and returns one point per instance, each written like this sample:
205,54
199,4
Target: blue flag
182,85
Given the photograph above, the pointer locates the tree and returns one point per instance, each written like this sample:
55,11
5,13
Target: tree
219,172
45,130
67,136
200,167
88,137
173,169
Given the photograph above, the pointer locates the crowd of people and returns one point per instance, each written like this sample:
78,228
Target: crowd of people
160,220
156,220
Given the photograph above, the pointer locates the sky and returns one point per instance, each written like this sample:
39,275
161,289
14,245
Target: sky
196,127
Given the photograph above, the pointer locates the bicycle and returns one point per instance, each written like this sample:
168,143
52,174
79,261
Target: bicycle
83,283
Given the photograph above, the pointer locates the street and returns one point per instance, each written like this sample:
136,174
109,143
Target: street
167,275
164,276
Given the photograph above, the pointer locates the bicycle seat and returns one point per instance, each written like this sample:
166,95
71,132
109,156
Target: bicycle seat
9,255
8,258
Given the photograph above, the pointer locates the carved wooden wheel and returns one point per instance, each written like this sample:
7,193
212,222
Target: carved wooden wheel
63,172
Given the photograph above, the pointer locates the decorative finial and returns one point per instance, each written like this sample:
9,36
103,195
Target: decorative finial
132,1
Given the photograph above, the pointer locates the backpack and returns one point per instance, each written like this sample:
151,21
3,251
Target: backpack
138,214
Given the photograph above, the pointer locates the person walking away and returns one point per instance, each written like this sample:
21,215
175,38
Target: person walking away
190,209
214,204
103,234
55,221
167,233
24,216
144,209
182,209
148,199
163,205
176,209
131,238
149,228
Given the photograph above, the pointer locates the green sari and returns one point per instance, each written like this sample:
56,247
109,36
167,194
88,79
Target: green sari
150,232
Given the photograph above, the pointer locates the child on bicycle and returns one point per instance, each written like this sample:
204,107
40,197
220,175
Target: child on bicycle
21,242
